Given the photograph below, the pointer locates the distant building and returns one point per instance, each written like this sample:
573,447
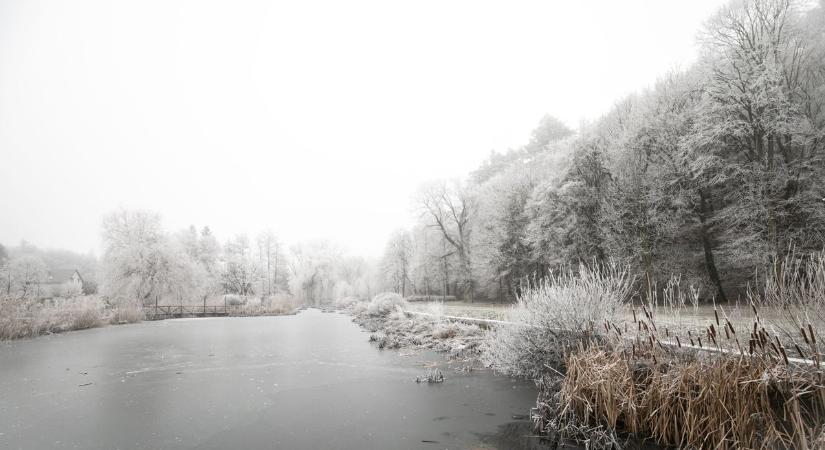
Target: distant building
62,283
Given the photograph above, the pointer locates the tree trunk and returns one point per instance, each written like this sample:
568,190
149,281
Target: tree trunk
710,263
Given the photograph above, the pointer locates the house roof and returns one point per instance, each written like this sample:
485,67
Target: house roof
61,275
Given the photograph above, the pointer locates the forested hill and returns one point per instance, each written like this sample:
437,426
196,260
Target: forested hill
713,175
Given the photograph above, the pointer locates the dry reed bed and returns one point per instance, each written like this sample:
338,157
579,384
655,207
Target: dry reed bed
720,402
745,377
26,319
754,395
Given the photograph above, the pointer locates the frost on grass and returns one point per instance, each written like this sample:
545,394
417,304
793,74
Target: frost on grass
557,314
392,329
21,318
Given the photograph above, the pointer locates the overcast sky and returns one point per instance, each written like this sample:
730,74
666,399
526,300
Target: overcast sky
316,118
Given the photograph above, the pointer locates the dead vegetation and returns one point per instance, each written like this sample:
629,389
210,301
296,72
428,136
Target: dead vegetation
718,401
26,319
729,383
432,376
392,329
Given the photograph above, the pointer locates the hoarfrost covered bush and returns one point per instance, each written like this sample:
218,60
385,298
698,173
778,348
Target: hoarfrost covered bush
21,318
385,303
561,311
346,302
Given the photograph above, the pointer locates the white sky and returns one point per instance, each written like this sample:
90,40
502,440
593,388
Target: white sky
314,118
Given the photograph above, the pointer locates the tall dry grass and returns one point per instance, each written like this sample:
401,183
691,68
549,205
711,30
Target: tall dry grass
794,291
21,318
750,381
718,402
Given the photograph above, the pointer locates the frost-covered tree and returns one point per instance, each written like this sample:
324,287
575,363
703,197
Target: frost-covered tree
240,270
141,262
313,268
396,262
448,207
755,136
23,275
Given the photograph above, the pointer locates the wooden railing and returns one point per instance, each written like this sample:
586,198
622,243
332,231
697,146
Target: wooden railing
156,312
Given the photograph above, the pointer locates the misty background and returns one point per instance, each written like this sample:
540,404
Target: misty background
316,119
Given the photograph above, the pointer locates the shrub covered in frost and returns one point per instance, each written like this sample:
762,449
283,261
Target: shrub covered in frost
346,302
385,303
556,314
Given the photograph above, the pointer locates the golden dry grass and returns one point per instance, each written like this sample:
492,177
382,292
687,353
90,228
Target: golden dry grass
719,402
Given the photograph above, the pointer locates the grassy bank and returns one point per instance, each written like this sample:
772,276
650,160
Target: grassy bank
26,319
669,370
392,329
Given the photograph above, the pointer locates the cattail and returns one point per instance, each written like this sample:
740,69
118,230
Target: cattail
784,355
699,338
634,314
750,346
805,335
813,335
733,332
717,316
667,333
678,342
727,335
799,351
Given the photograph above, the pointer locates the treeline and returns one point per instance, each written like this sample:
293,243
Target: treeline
143,262
714,174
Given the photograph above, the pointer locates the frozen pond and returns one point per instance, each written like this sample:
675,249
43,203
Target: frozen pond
306,381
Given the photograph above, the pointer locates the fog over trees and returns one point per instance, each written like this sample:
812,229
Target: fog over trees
713,174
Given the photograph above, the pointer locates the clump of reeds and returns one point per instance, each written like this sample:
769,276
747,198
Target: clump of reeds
718,401
549,419
432,376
